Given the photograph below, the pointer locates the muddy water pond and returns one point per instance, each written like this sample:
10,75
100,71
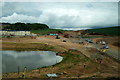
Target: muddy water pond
14,60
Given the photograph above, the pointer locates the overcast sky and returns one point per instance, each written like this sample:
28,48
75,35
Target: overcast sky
62,15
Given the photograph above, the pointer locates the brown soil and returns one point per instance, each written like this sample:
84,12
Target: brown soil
76,64
116,44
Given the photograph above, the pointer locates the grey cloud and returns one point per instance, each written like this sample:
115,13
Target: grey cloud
19,7
18,18
63,15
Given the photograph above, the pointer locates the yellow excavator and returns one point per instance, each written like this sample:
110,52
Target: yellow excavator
103,50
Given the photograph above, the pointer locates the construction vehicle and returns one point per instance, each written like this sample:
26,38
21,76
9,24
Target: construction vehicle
103,50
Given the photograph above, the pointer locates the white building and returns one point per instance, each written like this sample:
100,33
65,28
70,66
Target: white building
16,33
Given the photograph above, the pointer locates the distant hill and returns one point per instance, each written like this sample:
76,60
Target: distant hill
2,25
23,26
112,31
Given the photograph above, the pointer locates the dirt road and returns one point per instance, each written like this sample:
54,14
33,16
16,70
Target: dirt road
112,52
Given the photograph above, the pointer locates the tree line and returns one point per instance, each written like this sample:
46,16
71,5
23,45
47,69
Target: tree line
24,26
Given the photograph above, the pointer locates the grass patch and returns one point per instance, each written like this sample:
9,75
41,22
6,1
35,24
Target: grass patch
28,46
112,31
84,59
46,31
72,59
67,56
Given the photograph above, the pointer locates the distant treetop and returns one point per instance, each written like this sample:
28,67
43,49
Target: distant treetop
23,26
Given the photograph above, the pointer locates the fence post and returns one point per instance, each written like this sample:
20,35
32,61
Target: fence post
18,69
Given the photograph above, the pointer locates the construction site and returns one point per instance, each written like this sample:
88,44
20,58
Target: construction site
59,40
83,57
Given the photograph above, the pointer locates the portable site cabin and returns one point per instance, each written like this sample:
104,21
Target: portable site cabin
51,34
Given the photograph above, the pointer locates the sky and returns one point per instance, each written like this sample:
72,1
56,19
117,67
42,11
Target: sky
62,15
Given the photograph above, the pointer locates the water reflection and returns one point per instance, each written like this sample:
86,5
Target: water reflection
30,59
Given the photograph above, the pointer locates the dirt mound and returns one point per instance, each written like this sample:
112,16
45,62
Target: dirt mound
116,44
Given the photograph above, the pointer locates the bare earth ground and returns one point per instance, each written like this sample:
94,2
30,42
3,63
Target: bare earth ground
80,63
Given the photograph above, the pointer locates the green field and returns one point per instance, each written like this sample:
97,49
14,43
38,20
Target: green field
45,31
112,31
